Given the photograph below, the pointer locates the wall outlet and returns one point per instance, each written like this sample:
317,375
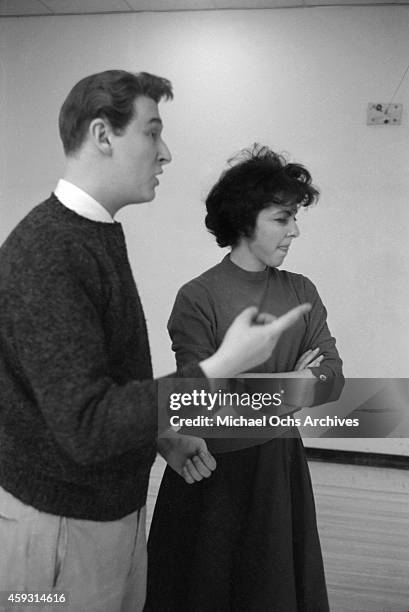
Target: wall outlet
379,113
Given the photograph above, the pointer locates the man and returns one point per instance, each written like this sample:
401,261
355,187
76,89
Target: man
78,418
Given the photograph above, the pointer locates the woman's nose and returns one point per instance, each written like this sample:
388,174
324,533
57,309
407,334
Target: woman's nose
293,230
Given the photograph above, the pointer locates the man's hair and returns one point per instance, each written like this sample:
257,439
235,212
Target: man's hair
110,95
257,178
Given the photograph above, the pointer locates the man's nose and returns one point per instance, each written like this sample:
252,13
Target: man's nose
164,154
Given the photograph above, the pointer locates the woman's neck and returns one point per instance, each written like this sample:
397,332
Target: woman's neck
242,257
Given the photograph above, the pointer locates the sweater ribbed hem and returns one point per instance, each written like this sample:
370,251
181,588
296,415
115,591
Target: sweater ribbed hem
96,502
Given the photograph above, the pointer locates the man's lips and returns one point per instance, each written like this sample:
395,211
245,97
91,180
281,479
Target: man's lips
155,176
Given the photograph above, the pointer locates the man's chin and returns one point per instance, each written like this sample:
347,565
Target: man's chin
150,196
146,197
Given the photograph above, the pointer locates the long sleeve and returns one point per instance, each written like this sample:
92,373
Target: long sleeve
318,335
192,325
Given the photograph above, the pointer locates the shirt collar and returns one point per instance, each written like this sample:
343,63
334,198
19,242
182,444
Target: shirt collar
82,203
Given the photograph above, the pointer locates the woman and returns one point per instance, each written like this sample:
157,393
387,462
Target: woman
245,539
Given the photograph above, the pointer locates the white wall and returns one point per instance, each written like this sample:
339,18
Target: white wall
298,80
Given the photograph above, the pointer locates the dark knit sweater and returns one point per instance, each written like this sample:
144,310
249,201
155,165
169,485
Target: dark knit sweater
78,406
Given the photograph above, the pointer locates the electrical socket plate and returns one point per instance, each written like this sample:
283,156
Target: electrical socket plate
379,113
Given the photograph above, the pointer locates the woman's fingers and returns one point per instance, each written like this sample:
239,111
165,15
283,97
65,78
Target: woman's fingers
316,362
306,359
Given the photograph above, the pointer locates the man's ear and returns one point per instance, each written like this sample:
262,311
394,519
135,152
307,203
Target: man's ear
100,132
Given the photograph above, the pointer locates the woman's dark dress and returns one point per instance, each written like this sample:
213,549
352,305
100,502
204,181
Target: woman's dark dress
245,539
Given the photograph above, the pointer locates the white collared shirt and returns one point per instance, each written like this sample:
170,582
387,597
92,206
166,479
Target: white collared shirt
81,202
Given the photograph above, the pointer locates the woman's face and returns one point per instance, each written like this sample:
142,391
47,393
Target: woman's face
274,231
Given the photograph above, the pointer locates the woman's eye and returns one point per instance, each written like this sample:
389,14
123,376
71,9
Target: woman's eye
285,220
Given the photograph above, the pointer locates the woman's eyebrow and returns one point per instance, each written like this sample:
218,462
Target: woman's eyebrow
284,211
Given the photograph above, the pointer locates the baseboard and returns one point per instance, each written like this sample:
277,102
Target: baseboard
358,458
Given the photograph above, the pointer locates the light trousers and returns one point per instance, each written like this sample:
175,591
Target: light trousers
99,566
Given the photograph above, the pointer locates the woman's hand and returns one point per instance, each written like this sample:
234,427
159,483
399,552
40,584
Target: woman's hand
309,359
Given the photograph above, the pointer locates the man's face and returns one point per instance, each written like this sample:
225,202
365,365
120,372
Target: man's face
139,154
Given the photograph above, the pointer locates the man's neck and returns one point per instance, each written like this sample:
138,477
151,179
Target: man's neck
92,185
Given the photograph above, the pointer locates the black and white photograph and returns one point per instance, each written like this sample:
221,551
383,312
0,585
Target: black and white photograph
204,289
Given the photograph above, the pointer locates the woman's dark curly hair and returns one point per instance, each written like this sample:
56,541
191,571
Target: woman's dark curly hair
256,179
